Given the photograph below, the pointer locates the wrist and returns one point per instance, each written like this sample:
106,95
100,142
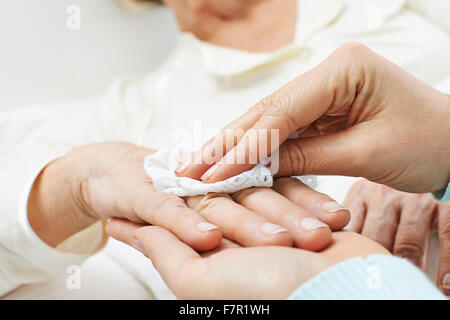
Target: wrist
54,213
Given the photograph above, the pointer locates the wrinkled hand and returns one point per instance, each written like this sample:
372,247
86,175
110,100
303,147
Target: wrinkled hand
401,222
107,180
234,272
355,114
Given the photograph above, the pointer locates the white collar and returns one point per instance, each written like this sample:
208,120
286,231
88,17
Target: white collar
312,16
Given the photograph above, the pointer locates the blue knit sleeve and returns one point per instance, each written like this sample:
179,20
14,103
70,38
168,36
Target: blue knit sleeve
377,277
443,195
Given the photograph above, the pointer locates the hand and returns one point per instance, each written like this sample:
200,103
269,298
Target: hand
258,214
401,222
108,180
234,272
355,114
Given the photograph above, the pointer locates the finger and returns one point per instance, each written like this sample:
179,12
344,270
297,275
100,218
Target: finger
381,225
123,230
335,215
413,230
444,243
308,232
295,105
175,260
341,153
238,223
218,146
171,213
354,201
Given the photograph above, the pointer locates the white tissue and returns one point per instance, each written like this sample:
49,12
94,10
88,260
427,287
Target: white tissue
161,166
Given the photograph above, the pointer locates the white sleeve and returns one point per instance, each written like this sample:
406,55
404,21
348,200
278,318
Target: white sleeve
444,86
32,137
435,10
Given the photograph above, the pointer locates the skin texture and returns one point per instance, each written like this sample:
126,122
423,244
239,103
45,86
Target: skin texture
75,191
235,272
355,114
107,180
401,222
250,25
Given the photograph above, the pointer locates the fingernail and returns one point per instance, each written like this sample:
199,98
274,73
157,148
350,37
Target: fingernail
205,226
446,281
209,173
135,243
332,206
312,223
271,229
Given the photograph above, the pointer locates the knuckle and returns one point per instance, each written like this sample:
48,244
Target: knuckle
286,183
353,51
261,107
278,105
295,158
210,202
444,231
168,207
241,195
358,188
409,249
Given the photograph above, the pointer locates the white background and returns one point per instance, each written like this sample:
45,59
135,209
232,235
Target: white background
42,61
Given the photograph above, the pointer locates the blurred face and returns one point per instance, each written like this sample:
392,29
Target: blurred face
252,25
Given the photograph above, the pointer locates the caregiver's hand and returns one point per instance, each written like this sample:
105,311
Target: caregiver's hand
355,114
234,272
401,222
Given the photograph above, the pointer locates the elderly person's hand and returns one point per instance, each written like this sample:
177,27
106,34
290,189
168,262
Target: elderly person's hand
355,114
234,272
401,222
108,180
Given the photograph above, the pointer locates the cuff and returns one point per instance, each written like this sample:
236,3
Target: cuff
53,261
377,277
443,195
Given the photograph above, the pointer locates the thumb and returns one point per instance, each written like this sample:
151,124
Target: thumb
343,153
169,255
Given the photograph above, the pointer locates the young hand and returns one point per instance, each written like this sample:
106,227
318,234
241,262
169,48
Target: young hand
235,272
355,114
